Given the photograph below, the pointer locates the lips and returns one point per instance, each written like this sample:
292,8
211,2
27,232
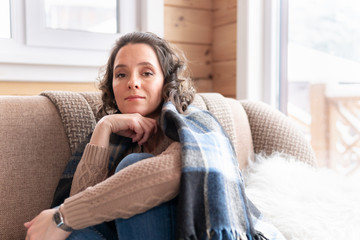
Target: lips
134,97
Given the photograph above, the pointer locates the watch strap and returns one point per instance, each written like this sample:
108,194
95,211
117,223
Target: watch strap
59,221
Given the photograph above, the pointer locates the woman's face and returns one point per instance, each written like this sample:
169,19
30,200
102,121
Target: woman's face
138,79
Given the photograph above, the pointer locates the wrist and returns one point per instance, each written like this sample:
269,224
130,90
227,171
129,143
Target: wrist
59,220
101,134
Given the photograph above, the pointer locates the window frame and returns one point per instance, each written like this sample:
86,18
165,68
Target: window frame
17,55
261,52
37,34
6,19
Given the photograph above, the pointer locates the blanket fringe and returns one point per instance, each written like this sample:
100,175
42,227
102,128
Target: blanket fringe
260,236
231,234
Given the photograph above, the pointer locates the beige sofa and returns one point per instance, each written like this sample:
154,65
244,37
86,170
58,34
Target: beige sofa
39,133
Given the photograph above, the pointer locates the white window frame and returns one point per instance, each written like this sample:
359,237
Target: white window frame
64,63
37,34
283,51
261,49
5,31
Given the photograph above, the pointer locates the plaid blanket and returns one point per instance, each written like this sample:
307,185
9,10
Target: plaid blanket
212,201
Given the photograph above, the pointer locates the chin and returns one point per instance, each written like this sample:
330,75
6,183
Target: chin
139,111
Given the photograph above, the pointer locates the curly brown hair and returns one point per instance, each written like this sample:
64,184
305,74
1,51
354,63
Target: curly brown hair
178,87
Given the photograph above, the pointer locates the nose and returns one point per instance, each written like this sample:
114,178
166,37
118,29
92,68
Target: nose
134,83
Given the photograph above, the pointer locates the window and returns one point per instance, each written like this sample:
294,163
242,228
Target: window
303,57
5,31
324,78
80,24
86,15
68,40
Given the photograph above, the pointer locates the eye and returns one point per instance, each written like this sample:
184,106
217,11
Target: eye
148,74
120,75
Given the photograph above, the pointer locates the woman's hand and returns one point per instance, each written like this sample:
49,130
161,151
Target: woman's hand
133,126
43,227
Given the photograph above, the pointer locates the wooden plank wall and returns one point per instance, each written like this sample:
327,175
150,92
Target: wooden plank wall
35,88
206,31
224,47
188,25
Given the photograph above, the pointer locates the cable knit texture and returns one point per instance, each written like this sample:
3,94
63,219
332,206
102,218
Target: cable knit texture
92,169
133,190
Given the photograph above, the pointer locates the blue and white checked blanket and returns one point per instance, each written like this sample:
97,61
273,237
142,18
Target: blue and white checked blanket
212,201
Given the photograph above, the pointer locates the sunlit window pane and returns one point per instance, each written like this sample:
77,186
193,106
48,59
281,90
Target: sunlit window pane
82,15
324,78
5,29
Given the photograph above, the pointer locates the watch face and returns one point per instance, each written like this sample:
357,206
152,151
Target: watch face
59,221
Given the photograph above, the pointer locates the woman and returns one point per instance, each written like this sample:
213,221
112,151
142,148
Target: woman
164,139
142,72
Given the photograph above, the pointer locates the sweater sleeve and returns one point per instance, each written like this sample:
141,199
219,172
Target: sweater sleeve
135,189
92,168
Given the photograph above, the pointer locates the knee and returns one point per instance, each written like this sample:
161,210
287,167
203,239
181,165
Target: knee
131,159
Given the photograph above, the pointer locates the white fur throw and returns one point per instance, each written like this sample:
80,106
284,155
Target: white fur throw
304,202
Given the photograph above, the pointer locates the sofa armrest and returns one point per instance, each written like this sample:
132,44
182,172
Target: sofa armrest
272,132
34,150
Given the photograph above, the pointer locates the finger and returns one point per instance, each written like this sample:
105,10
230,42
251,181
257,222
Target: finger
143,134
142,127
28,224
138,136
154,125
138,130
150,127
150,124
147,130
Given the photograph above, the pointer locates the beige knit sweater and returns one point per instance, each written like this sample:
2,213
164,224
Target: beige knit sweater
96,198
135,189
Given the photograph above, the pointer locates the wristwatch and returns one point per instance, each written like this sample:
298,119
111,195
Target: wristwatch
59,221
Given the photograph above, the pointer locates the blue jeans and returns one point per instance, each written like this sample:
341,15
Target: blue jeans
157,223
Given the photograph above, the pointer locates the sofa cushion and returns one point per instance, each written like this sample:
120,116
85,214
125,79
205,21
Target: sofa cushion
76,114
34,152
